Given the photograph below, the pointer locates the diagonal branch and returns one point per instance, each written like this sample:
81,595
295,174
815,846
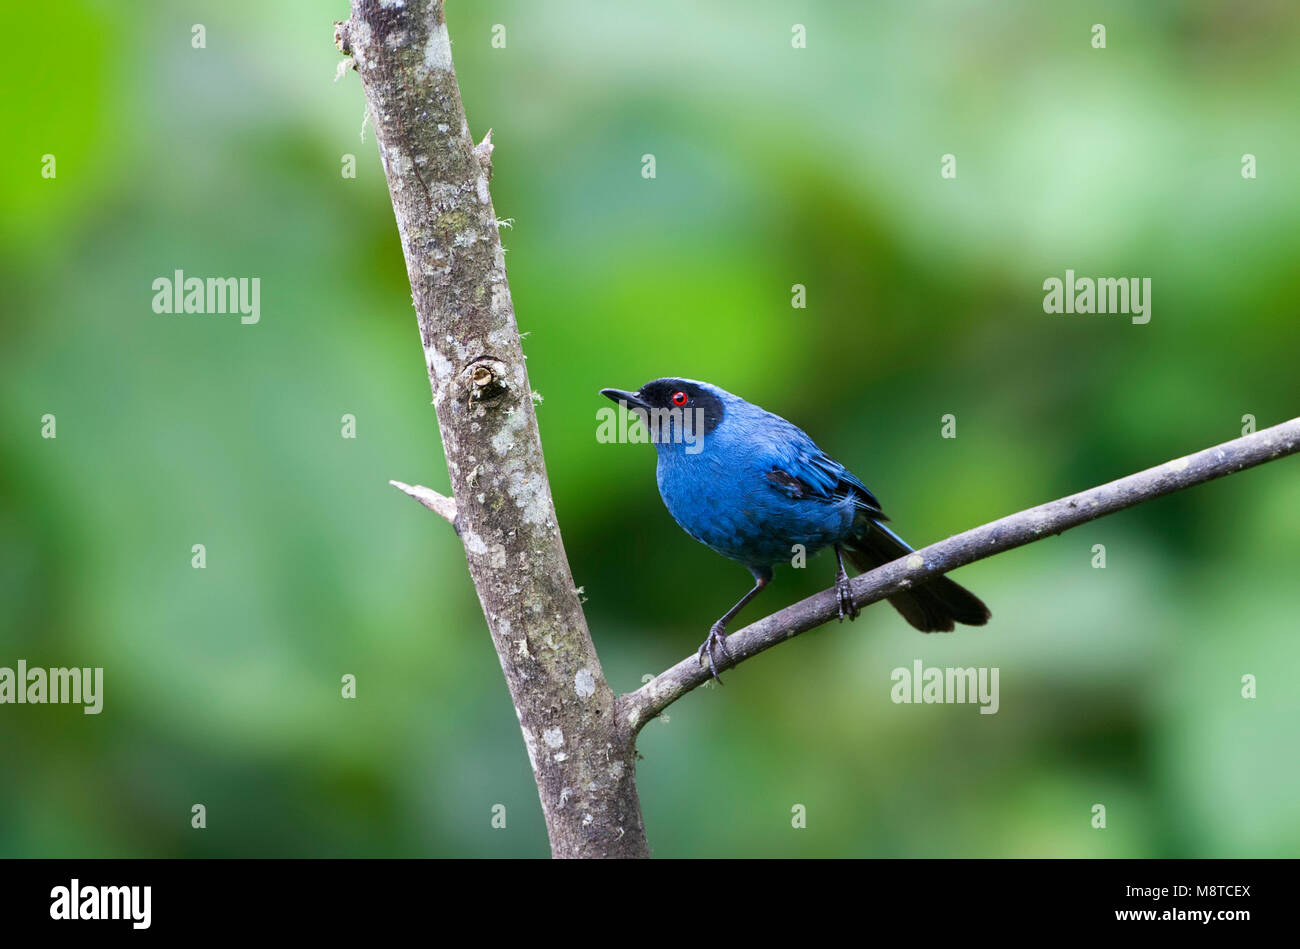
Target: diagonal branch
634,709
439,504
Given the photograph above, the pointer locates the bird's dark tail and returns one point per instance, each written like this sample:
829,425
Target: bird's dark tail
933,606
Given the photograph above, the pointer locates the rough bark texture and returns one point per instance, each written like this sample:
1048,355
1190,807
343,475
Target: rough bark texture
438,180
637,708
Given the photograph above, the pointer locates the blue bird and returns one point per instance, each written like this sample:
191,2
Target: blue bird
751,486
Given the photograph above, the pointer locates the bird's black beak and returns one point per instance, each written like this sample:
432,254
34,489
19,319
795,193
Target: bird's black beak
633,400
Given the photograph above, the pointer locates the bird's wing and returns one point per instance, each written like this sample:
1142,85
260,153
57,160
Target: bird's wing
799,469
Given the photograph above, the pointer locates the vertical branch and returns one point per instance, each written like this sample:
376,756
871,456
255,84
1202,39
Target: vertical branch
583,762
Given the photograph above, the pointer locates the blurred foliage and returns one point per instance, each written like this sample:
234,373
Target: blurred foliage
775,166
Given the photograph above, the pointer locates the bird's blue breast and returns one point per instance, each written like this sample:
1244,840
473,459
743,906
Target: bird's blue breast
725,496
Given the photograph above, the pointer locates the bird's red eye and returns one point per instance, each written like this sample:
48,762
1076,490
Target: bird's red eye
679,398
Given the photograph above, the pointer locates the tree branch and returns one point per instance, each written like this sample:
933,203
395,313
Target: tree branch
583,763
439,504
636,708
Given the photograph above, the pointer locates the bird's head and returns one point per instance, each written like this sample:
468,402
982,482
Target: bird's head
676,412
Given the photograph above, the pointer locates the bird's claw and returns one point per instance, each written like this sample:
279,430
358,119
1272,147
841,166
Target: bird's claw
844,594
717,637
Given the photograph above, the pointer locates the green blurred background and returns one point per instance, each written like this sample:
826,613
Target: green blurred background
775,166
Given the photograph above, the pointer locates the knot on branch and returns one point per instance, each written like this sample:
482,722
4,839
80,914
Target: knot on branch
484,379
343,36
483,152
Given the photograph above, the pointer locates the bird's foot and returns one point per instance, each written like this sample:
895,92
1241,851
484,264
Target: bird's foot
844,594
717,638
